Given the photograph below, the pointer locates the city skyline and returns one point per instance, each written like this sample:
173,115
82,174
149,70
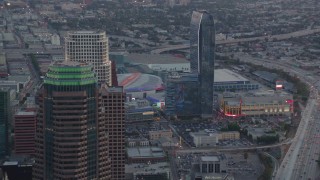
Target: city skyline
159,90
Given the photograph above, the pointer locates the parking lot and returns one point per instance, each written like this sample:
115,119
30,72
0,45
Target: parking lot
235,163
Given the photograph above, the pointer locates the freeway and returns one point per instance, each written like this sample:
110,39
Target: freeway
299,33
299,162
275,162
289,163
306,167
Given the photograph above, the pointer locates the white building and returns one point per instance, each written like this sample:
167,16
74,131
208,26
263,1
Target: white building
55,39
204,139
91,47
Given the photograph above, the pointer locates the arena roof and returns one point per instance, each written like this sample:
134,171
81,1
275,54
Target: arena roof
135,58
225,75
137,82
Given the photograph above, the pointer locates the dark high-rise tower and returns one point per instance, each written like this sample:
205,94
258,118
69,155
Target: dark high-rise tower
71,134
202,47
113,110
4,120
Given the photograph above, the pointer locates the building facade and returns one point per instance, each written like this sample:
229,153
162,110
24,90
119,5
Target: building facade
24,132
71,134
91,47
202,47
227,80
113,110
232,104
204,139
229,135
182,96
4,120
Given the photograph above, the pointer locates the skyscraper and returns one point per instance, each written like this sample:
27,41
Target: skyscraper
91,47
4,120
202,46
71,134
24,132
113,110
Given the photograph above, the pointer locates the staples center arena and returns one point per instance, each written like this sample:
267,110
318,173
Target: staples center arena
141,85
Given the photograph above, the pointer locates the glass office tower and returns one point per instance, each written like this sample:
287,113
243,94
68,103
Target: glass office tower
182,92
202,46
4,120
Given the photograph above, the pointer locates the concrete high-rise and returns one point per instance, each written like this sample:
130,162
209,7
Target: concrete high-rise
113,110
4,120
71,132
202,47
24,132
91,47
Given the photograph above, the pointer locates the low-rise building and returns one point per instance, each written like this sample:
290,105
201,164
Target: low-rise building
256,133
134,142
210,167
148,171
17,168
229,135
256,104
208,138
154,135
227,80
138,111
145,155
204,139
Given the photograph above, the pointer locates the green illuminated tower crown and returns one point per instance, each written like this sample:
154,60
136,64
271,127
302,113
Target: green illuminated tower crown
70,74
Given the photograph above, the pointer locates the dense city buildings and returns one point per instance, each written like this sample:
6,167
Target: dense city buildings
4,120
24,132
148,41
113,111
202,47
71,133
91,47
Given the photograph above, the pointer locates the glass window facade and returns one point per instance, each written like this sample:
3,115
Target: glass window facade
4,120
182,96
202,47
